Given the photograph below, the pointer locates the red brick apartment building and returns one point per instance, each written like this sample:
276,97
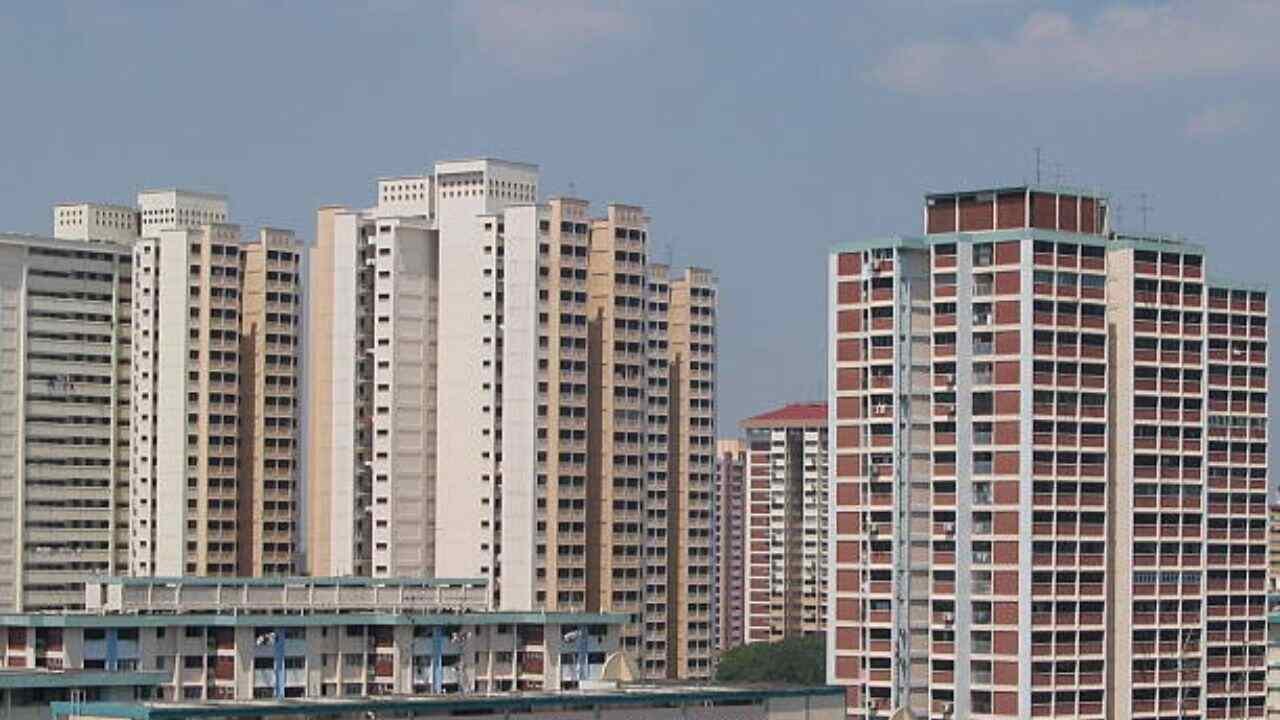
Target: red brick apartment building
1049,471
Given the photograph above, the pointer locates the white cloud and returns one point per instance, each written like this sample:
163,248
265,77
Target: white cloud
1216,121
1121,45
539,36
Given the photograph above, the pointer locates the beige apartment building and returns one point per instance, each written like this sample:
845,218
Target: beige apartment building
1049,474
691,450
731,469
120,421
616,446
214,366
545,491
64,413
528,395
270,333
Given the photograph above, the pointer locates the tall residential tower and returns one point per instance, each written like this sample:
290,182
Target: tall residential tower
1049,473
492,400
213,462
786,522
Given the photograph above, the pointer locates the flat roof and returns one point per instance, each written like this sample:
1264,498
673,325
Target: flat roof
294,580
633,695
180,191
109,206
65,243
511,163
11,679
1024,187
242,619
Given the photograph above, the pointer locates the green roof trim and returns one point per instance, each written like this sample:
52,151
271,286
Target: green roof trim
1151,242
290,580
1154,242
922,242
247,710
1214,281
88,620
38,679
893,241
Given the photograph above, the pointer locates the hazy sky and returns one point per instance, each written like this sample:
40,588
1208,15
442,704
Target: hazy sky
755,133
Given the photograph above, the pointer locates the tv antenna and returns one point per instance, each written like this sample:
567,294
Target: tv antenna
1144,207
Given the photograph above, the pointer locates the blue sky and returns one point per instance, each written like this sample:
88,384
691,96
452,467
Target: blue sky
756,133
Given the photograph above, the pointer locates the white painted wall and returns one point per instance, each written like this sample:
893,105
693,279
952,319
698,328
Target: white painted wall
469,348
519,407
170,392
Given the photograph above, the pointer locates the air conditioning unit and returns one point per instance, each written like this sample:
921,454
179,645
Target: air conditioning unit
947,708
949,529
948,619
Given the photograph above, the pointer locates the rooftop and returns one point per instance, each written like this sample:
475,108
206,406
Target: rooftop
633,695
31,678
300,581
329,619
802,414
180,191
496,161
1024,187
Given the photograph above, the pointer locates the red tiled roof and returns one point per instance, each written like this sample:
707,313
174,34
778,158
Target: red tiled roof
810,413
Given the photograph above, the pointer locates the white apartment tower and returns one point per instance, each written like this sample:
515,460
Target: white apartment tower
470,195
489,398
374,286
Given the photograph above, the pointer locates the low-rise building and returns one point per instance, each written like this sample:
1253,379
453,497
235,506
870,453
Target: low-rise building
255,638
27,694
653,702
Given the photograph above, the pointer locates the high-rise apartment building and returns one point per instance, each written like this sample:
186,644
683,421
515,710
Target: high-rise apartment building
373,289
545,408
538,348
64,414
616,449
691,454
786,522
270,354
1049,474
214,366
731,461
